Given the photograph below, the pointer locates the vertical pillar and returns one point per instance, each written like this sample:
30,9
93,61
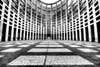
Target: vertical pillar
36,22
61,21
43,32
8,20
79,20
1,23
41,22
76,29
25,19
64,31
72,22
46,28
95,24
84,31
51,23
56,24
18,20
66,19
31,22
88,21
13,27
21,28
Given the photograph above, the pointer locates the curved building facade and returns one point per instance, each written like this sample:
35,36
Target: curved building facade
76,20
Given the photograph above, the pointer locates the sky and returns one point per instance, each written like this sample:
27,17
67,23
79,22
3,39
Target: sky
49,1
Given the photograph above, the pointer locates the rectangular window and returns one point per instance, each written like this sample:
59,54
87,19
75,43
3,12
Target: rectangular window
97,13
97,8
98,18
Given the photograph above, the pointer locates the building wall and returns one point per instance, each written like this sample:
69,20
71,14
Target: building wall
26,20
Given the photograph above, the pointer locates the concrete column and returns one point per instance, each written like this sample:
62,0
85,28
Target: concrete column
88,21
36,22
61,20
21,28
95,24
66,19
41,25
25,19
80,36
56,24
76,29
1,22
31,22
13,27
8,20
84,31
72,24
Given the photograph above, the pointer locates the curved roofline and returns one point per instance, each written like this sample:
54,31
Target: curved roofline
49,3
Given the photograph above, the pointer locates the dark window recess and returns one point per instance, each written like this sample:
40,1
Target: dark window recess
11,19
4,20
6,7
0,12
85,13
0,17
85,17
98,18
11,12
91,13
15,15
15,18
86,20
90,9
6,12
10,23
82,26
96,3
97,13
11,16
5,16
15,22
81,20
86,24
81,16
4,32
91,17
97,8
0,7
1,2
91,21
90,3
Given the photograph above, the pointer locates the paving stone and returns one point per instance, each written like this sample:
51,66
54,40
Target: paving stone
59,50
86,50
38,50
24,46
11,50
67,60
28,60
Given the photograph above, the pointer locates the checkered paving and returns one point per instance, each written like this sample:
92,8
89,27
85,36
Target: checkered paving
49,53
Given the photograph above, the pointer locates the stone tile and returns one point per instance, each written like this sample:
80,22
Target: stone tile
41,46
74,46
58,50
56,46
89,46
98,56
11,50
67,60
24,46
8,45
86,50
1,56
38,50
28,60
